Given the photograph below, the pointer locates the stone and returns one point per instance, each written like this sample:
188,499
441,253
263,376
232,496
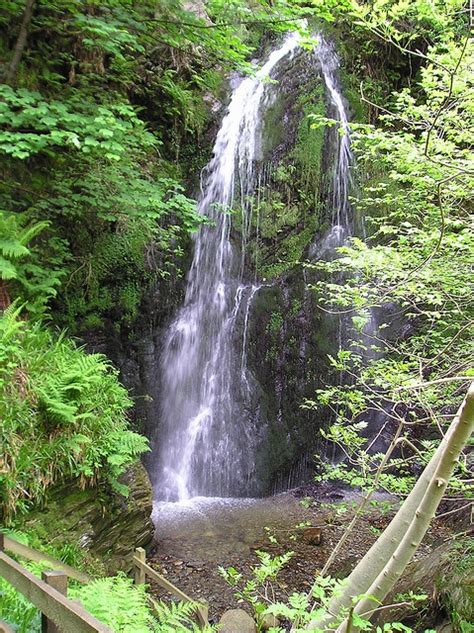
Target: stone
269,621
197,7
312,535
237,621
446,576
105,524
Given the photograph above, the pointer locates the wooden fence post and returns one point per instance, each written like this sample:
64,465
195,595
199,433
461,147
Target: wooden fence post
57,580
202,613
4,627
139,571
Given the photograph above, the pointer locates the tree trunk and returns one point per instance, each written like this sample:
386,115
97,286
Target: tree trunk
462,427
21,42
413,518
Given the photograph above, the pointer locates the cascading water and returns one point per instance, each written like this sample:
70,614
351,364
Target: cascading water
343,217
207,437
342,214
338,200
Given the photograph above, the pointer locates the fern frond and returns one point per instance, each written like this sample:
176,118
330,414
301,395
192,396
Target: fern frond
7,269
13,248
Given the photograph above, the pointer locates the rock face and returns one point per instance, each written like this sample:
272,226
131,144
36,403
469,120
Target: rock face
288,338
105,524
197,7
237,621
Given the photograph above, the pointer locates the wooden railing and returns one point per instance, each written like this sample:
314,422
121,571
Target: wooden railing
143,570
15,547
48,594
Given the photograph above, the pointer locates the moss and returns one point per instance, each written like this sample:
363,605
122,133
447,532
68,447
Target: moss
275,217
275,323
105,526
310,141
456,584
111,280
289,252
273,130
351,90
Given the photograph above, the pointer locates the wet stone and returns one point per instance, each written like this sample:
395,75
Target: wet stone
269,621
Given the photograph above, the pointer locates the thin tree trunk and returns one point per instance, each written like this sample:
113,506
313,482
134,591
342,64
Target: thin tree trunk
462,427
362,505
21,42
373,563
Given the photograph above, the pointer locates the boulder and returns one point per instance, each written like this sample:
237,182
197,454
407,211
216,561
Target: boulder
312,535
237,621
105,524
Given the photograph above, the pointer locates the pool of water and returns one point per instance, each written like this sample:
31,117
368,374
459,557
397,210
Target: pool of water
210,529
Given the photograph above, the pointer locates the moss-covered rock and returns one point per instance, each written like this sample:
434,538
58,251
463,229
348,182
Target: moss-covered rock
105,524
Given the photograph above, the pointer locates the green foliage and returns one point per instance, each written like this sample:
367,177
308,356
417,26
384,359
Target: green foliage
117,602
309,144
14,607
415,192
299,608
125,607
35,125
62,405
114,199
179,617
21,268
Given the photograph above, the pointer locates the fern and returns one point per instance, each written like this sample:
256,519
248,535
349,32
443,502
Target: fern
177,616
125,607
62,405
7,269
19,265
120,604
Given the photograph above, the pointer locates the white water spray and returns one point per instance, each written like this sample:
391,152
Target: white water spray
207,439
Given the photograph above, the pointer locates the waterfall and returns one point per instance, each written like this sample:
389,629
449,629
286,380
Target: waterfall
338,200
208,439
342,219
342,214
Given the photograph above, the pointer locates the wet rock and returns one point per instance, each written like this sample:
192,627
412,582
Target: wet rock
98,520
446,576
237,621
198,8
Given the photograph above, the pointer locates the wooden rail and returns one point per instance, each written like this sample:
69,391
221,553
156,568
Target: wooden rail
142,570
15,547
49,596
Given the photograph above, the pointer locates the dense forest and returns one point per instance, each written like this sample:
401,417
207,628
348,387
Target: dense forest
236,312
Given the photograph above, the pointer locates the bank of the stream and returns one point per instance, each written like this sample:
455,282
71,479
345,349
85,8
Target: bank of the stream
194,539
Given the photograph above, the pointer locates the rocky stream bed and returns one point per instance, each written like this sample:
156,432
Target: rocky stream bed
193,539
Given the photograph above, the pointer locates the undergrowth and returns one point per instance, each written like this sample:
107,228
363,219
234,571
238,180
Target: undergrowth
63,406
